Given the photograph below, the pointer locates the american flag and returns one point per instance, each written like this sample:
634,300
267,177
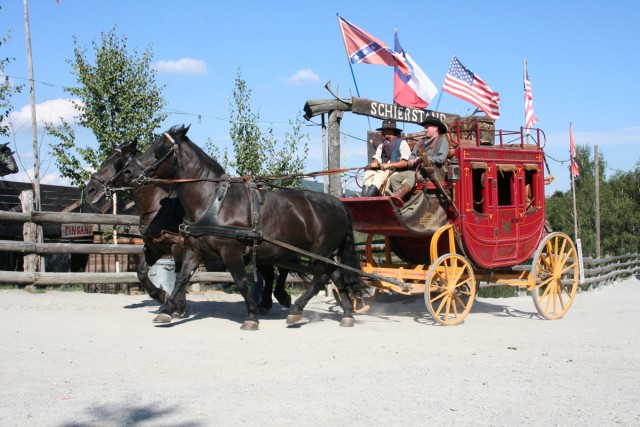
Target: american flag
464,84
363,47
572,150
530,118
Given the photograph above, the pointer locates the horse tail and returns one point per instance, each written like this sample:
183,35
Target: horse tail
349,257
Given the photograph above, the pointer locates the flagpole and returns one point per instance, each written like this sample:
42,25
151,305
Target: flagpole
573,190
439,98
347,53
524,82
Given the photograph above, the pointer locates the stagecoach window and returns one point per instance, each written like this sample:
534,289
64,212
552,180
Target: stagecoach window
506,179
478,176
530,178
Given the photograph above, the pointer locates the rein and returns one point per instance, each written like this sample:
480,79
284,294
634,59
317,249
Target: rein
256,178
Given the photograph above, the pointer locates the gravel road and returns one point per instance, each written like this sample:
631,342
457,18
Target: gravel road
79,359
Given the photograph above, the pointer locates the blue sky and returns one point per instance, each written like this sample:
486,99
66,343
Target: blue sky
582,60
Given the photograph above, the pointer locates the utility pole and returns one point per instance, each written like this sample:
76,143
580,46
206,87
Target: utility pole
597,162
34,123
335,187
34,132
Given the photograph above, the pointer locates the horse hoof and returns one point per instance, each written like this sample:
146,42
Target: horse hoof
249,325
163,318
292,319
348,322
177,314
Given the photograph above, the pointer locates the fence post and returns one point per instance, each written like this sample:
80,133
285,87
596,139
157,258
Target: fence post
30,235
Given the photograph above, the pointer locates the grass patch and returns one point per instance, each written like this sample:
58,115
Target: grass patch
498,292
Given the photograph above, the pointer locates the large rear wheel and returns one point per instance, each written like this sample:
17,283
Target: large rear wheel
450,289
555,271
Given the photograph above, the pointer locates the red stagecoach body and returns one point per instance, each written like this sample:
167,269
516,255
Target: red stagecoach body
496,181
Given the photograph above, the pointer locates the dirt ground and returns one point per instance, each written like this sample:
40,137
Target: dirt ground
79,359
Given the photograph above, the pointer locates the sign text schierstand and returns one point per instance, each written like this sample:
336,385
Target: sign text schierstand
384,111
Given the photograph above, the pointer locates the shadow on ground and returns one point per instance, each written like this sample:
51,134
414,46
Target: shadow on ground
129,415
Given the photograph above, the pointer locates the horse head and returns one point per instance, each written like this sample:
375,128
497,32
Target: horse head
109,177
172,156
8,163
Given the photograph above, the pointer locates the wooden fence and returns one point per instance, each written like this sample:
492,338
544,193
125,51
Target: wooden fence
597,271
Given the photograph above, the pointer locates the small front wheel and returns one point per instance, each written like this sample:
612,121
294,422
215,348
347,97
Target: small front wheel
361,303
450,289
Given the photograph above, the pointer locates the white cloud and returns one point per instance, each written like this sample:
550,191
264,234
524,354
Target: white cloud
303,77
182,66
49,111
48,178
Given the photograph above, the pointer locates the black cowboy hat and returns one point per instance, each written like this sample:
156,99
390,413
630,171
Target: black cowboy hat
389,124
435,122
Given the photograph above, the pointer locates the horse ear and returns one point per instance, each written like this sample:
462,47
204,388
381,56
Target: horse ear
129,149
183,131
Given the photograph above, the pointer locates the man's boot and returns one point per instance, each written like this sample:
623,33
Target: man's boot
372,191
365,188
402,191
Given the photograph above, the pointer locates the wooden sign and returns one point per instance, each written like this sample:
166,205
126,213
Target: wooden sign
367,107
69,231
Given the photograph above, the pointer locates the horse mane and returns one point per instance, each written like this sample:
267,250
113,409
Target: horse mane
180,132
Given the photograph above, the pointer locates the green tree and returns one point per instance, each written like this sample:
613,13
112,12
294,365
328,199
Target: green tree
117,98
619,208
258,152
7,90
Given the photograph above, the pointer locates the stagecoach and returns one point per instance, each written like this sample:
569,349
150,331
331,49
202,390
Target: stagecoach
481,220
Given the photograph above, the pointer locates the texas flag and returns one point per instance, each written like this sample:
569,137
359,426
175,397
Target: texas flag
415,89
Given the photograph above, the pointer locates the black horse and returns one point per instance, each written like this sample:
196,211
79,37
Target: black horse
8,164
161,213
232,221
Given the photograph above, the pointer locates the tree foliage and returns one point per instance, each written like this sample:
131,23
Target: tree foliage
117,98
619,208
7,90
258,152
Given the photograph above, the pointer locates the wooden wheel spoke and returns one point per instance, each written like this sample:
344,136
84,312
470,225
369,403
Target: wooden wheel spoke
437,297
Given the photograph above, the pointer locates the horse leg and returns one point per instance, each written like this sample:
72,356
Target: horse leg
235,265
190,264
319,279
345,299
181,298
268,275
148,259
280,292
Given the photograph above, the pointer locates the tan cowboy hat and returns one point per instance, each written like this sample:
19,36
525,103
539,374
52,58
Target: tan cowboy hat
435,122
389,124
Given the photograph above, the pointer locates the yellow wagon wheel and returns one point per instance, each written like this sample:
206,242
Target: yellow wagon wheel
361,303
555,272
450,289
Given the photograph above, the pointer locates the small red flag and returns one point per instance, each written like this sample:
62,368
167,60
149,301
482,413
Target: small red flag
572,149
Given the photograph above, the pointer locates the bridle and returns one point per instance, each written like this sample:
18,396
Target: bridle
143,179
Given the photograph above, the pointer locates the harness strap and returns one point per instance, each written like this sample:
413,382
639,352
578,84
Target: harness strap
404,286
231,231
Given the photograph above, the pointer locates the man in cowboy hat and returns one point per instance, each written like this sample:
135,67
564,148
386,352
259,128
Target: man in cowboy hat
390,156
433,149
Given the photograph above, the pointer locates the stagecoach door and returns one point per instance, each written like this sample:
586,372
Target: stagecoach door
506,191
